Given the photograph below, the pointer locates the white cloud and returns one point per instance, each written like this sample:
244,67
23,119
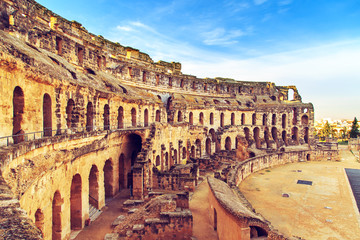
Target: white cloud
219,36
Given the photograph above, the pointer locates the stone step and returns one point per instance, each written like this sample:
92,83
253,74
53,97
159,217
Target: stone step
94,213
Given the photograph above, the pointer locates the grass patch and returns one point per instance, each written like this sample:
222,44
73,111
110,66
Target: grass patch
267,170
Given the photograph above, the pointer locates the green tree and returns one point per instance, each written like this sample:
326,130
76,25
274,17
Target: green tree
344,133
354,131
326,131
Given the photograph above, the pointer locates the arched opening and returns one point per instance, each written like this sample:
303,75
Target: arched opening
157,161
247,134
39,220
212,133
94,187
257,232
273,119
133,117
167,165
291,94
76,203
192,152
304,120
18,111
283,121
198,146
201,118
266,136
306,135
295,113
222,120
191,118
211,118
146,118
70,111
47,120
208,146
182,83
274,135
264,119
218,144
56,216
257,137
228,143
284,137
175,156
308,158
254,119
252,166
120,117
157,116
131,146
180,116
108,179
243,119
215,220
295,135
232,119
251,154
106,117
89,116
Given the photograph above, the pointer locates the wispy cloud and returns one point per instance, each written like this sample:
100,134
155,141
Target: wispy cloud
220,36
259,2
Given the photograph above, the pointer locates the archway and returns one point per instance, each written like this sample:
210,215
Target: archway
175,156
211,118
120,117
191,118
106,117
266,137
76,203
228,143
157,162
274,135
295,135
215,220
212,133
70,111
257,137
167,166
89,116
180,116
284,137
18,111
306,135
94,187
256,232
201,118
108,179
184,153
56,216
47,119
133,117
198,146
208,146
193,151
157,116
283,121
131,146
273,120
243,119
295,114
254,119
247,134
304,120
146,118
39,220
232,119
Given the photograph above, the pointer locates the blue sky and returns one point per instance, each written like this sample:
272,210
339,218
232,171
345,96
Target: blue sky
313,44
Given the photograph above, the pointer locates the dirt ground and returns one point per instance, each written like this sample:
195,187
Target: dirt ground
326,210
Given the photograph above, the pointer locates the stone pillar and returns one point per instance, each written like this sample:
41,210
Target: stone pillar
138,178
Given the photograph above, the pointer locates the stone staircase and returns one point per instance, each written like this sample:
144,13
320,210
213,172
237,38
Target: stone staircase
94,213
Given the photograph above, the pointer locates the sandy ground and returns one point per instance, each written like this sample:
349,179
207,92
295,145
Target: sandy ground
199,206
325,210
102,225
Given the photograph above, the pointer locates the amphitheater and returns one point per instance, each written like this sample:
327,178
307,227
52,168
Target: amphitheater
84,119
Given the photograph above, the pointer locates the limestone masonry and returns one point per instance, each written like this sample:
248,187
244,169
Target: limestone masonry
83,118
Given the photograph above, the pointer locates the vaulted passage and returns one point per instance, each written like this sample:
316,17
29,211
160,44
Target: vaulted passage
56,216
94,186
75,203
109,179
257,232
39,219
106,117
89,116
228,143
132,145
47,120
18,111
